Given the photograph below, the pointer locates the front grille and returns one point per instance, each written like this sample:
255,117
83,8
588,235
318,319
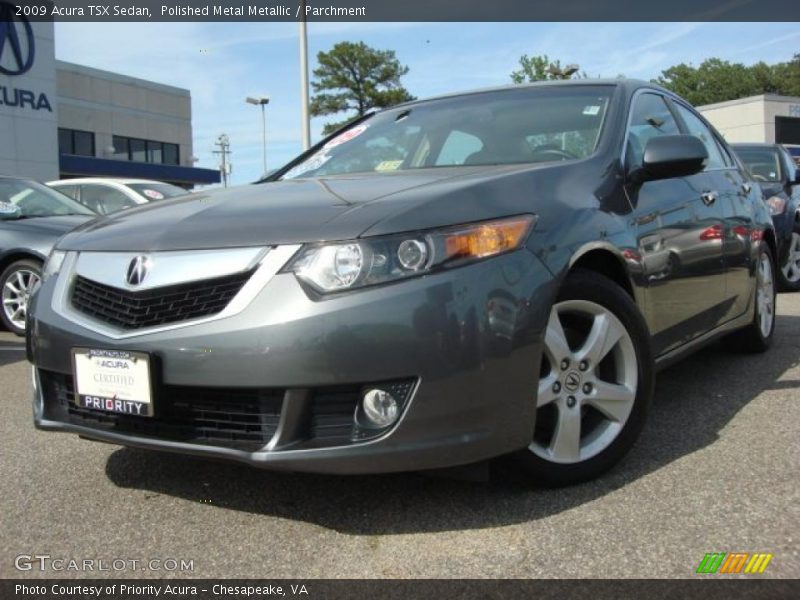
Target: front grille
158,306
242,418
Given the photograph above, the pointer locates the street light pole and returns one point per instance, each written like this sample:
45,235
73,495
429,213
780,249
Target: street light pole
304,78
264,136
261,101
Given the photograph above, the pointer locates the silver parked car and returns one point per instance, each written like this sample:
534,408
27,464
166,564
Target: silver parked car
32,218
108,195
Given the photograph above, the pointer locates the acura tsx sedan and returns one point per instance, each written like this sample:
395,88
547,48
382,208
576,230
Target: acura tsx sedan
494,274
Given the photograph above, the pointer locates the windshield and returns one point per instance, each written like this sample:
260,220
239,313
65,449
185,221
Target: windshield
32,199
156,191
763,163
525,125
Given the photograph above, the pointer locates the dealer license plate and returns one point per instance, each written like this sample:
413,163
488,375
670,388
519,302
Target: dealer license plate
113,381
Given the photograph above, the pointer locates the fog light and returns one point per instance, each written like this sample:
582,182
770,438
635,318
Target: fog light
380,407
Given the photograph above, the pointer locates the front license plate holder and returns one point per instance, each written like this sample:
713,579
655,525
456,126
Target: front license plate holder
113,381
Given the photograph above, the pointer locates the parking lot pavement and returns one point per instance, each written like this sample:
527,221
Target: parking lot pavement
716,470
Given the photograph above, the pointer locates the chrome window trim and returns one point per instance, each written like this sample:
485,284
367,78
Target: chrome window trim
271,261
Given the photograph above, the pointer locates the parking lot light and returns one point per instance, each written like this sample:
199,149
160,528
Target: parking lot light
261,101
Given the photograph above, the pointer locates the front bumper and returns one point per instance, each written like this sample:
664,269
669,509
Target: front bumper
472,369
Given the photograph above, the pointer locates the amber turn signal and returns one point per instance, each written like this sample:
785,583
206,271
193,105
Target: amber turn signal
488,238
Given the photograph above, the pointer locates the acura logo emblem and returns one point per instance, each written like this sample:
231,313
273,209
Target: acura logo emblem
137,270
16,42
572,381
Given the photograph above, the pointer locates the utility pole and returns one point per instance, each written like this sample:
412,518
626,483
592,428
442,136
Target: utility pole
224,144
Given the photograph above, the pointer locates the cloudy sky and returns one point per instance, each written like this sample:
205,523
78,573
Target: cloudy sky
222,63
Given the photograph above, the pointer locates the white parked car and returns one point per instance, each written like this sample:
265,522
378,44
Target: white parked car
105,195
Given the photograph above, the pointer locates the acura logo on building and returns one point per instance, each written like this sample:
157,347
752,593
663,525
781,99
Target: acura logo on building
16,42
137,270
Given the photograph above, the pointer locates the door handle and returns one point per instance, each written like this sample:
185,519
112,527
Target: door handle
709,198
746,187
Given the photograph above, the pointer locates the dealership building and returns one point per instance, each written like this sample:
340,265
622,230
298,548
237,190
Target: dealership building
60,120
767,118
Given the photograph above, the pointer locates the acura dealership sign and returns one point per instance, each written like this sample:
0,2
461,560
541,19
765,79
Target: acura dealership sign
28,97
17,46
17,54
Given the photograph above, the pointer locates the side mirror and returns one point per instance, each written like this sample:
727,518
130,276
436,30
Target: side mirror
667,156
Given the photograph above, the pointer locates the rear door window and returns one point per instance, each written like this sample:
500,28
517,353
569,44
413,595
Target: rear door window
697,128
68,190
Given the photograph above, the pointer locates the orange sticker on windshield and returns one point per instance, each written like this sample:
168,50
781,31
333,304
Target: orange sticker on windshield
346,136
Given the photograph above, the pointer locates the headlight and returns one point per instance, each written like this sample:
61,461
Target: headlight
339,266
52,265
776,205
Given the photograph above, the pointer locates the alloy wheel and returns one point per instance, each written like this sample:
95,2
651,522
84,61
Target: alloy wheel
791,268
588,382
765,295
17,290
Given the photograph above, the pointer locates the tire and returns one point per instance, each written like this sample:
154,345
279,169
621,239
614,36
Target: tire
757,336
788,275
17,282
674,263
589,307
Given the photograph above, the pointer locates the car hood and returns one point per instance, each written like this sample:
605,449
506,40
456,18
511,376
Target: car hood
45,226
296,211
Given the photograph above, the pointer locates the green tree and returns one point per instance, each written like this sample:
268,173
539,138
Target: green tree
540,68
788,75
716,80
355,77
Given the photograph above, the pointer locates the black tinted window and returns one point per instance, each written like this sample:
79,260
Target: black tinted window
171,154
763,163
650,118
73,141
697,128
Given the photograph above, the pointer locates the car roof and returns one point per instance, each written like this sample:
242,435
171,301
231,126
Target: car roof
79,180
754,145
629,85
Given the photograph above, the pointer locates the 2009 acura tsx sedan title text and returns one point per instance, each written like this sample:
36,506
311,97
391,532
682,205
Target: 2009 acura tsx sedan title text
490,274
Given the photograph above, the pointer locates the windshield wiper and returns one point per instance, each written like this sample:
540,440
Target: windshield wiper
20,217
